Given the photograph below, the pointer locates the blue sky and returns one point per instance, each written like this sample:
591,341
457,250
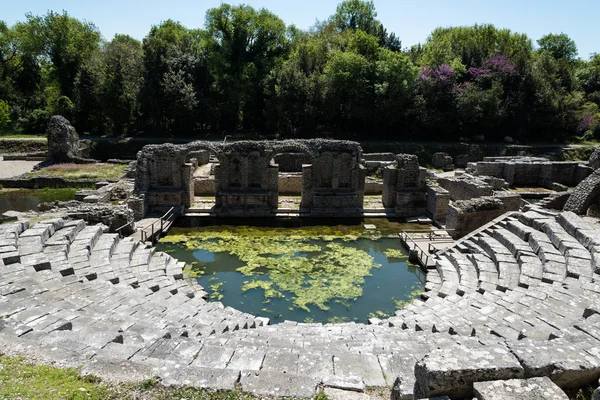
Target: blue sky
412,20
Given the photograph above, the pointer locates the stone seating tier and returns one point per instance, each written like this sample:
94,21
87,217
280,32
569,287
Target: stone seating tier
515,304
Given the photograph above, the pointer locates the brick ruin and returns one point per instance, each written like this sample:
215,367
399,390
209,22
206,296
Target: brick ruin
246,176
404,186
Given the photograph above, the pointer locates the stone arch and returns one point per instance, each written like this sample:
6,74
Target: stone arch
585,194
292,146
199,145
290,155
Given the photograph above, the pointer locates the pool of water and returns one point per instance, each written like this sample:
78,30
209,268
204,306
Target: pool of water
18,201
306,274
29,199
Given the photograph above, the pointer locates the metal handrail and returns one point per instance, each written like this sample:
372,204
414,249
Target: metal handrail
118,230
166,217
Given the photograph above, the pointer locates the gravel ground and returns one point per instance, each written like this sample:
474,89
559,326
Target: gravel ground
9,169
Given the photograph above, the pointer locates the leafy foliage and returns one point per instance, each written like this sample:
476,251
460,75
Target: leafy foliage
346,77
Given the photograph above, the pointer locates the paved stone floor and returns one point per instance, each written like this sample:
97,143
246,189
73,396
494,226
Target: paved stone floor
516,300
10,169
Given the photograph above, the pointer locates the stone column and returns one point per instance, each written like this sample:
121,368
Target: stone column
307,186
360,173
187,184
218,185
273,186
390,180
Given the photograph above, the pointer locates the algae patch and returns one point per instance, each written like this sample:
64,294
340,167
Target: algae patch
288,264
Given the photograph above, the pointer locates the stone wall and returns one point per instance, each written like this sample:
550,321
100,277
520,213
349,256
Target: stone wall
290,183
204,185
404,186
442,161
585,195
532,171
465,187
335,182
438,200
245,180
379,157
465,216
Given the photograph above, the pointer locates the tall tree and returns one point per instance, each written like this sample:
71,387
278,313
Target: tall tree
560,46
123,60
361,15
65,41
244,46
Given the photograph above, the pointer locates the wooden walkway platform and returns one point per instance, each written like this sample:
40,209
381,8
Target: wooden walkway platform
425,244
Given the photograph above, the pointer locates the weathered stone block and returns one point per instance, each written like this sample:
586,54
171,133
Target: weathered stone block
452,371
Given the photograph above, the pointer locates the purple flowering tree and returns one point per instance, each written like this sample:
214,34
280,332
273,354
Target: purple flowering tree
500,63
437,76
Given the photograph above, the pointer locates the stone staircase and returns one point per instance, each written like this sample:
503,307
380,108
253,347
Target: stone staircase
516,303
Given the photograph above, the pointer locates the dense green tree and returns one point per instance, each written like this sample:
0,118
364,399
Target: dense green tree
360,15
345,77
560,46
174,71
244,46
66,41
123,65
472,45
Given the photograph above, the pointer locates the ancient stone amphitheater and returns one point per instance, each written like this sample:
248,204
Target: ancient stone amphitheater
511,308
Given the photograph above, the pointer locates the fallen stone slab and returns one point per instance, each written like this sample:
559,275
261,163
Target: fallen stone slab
519,389
198,377
363,365
274,383
568,365
338,394
452,371
118,371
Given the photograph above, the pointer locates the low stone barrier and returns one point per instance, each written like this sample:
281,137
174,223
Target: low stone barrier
465,216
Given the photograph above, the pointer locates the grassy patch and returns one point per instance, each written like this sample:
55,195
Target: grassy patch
82,171
26,381
12,134
22,380
45,194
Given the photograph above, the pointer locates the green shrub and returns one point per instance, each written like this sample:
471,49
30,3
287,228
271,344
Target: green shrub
36,122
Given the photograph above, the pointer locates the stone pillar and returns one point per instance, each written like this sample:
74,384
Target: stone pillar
273,186
390,180
244,172
360,175
187,184
138,205
508,173
307,186
218,185
438,200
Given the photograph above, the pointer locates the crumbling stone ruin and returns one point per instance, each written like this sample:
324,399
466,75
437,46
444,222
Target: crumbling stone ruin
63,141
594,161
584,199
464,216
442,161
111,216
466,202
404,186
246,180
335,180
532,171
246,177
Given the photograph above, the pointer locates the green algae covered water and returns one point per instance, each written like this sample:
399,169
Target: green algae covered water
306,274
